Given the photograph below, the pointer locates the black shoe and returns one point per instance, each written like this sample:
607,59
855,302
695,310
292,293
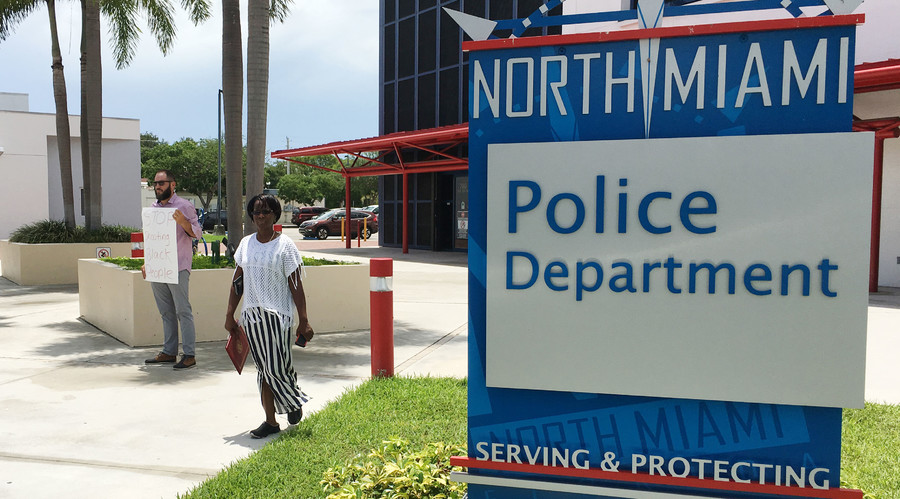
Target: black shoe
264,430
294,417
186,362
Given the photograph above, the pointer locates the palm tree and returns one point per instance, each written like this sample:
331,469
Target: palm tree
233,92
121,14
259,14
91,112
63,135
11,13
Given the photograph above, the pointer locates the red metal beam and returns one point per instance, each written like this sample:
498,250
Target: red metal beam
666,32
873,77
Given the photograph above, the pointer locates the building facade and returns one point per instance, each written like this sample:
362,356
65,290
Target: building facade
30,166
423,81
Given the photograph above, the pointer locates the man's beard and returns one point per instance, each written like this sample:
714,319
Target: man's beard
166,194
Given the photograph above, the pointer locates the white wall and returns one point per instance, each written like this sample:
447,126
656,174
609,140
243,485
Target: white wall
30,168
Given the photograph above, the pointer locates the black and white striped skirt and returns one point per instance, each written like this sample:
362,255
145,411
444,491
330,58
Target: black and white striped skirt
270,345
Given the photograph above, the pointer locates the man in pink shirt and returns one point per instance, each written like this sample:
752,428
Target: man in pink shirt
172,299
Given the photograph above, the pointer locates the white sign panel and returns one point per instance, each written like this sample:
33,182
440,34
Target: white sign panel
160,248
718,268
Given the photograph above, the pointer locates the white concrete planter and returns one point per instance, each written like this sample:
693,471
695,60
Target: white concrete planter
41,264
120,302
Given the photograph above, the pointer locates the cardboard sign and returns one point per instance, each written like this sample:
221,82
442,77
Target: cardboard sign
160,248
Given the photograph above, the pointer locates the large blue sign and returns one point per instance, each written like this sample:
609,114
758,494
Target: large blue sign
564,240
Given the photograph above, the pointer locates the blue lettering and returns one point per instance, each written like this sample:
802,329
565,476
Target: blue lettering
550,274
687,211
645,206
579,213
509,269
579,278
514,207
749,278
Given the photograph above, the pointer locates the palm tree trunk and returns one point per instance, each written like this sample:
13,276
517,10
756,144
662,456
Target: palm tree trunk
63,134
257,93
82,121
233,91
91,111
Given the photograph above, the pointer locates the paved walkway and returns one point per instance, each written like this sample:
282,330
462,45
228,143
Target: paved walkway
82,416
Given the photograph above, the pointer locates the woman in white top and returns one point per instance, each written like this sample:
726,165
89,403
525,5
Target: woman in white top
272,271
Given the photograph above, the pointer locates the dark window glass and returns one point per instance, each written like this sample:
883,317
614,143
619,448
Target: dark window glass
406,99
425,104
527,7
390,114
449,97
425,4
406,50
501,9
474,7
407,8
427,40
387,221
390,188
424,224
424,182
389,10
450,33
464,96
390,47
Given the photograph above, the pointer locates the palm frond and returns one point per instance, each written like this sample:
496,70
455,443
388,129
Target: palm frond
12,12
160,22
279,10
199,10
123,29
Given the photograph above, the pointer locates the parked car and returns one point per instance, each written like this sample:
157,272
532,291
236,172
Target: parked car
212,217
329,224
305,213
373,209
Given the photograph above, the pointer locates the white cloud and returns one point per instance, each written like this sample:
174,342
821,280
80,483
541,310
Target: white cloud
323,82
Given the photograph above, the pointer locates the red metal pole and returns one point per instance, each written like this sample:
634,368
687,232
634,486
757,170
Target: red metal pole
381,316
347,206
874,245
137,245
405,221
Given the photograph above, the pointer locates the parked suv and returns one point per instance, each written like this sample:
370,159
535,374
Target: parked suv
305,213
329,224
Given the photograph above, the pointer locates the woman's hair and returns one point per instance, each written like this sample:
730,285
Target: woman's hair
269,200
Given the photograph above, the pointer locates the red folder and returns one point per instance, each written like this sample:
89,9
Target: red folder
238,348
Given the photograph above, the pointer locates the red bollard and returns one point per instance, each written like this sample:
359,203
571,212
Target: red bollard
137,245
381,316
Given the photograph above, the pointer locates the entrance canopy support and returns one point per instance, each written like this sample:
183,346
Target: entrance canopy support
421,151
884,128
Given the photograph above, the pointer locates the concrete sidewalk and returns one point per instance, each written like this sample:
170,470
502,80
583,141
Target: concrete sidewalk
82,416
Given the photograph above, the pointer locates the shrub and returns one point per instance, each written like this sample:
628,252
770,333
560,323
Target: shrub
206,262
395,471
55,231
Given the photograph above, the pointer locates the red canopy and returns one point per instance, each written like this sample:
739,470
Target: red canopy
436,152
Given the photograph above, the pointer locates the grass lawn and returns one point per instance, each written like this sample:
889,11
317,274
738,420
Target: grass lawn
424,410
420,410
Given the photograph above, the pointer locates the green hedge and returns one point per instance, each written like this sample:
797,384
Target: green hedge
55,231
206,262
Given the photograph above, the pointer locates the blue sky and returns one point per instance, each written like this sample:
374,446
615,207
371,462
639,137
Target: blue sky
323,81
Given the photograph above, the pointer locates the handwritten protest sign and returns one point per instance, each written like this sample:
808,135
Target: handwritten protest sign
160,249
